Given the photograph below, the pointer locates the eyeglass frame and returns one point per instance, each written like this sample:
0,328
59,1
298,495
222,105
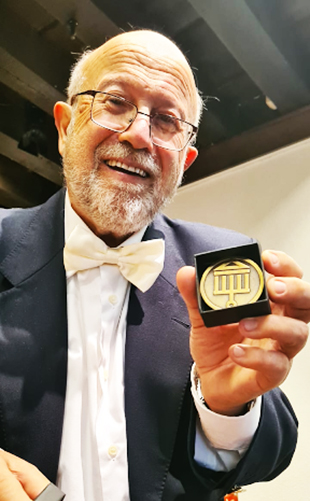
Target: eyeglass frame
93,93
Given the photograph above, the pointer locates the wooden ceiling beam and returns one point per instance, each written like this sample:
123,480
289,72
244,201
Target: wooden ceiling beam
8,196
16,76
29,64
38,164
253,143
20,187
93,27
33,50
239,30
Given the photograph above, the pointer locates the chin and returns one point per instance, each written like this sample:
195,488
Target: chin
114,207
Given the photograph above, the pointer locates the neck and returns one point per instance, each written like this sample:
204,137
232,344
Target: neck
112,240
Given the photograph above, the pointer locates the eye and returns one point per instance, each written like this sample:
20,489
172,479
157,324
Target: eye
111,104
114,101
167,123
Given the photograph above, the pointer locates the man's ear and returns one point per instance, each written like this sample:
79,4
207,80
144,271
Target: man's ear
62,115
191,155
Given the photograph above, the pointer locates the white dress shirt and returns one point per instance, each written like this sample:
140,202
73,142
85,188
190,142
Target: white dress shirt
93,457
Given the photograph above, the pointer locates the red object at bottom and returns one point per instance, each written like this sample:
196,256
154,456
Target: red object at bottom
233,496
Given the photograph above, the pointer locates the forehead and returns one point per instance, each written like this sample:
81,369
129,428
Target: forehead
154,65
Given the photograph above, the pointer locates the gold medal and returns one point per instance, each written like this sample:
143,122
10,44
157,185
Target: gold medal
231,283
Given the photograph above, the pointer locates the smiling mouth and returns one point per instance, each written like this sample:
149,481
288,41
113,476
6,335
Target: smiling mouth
121,167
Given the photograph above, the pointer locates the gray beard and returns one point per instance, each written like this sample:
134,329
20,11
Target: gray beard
120,208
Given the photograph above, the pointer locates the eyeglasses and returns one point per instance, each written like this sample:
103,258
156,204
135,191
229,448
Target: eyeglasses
117,114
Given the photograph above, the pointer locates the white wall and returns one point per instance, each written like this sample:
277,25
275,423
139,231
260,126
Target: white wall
268,199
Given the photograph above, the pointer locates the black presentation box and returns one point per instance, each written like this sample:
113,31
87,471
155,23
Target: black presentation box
231,285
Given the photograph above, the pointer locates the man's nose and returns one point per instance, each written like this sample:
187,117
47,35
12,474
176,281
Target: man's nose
138,134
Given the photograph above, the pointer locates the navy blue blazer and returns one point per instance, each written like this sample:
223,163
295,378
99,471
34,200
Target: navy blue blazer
160,415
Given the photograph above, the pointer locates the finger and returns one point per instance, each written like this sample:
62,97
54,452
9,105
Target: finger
289,290
10,488
280,264
271,366
186,282
31,479
289,335
292,294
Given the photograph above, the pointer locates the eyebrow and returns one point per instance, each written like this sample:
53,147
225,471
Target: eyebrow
121,83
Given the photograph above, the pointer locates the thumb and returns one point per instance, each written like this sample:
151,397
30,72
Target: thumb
186,282
11,489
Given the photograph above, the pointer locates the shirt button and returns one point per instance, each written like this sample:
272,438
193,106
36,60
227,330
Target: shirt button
113,299
112,451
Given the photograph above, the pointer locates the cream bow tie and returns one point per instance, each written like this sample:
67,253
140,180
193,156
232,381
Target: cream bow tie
139,263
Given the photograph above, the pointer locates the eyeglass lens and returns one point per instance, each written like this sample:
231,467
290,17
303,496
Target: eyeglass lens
117,114
112,112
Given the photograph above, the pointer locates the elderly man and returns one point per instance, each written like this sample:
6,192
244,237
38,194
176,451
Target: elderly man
97,383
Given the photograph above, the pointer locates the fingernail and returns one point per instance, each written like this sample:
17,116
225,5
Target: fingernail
279,286
249,324
239,351
273,258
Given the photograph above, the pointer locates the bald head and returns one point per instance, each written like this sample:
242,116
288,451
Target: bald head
150,50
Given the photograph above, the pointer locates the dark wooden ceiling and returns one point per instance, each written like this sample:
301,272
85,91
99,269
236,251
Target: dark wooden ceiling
253,55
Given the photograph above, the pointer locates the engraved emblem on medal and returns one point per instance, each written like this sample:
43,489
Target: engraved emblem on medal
230,283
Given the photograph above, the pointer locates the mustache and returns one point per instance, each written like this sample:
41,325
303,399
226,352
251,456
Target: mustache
125,152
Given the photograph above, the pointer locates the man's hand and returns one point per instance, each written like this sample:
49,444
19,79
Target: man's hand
238,362
19,480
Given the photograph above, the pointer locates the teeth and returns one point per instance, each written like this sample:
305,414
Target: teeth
120,165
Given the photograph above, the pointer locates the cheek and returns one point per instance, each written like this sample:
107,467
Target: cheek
86,136
170,162
175,165
82,119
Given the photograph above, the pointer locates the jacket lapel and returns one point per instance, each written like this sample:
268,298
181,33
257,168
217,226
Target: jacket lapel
33,334
157,365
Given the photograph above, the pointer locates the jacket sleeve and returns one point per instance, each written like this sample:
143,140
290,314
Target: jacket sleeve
270,452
